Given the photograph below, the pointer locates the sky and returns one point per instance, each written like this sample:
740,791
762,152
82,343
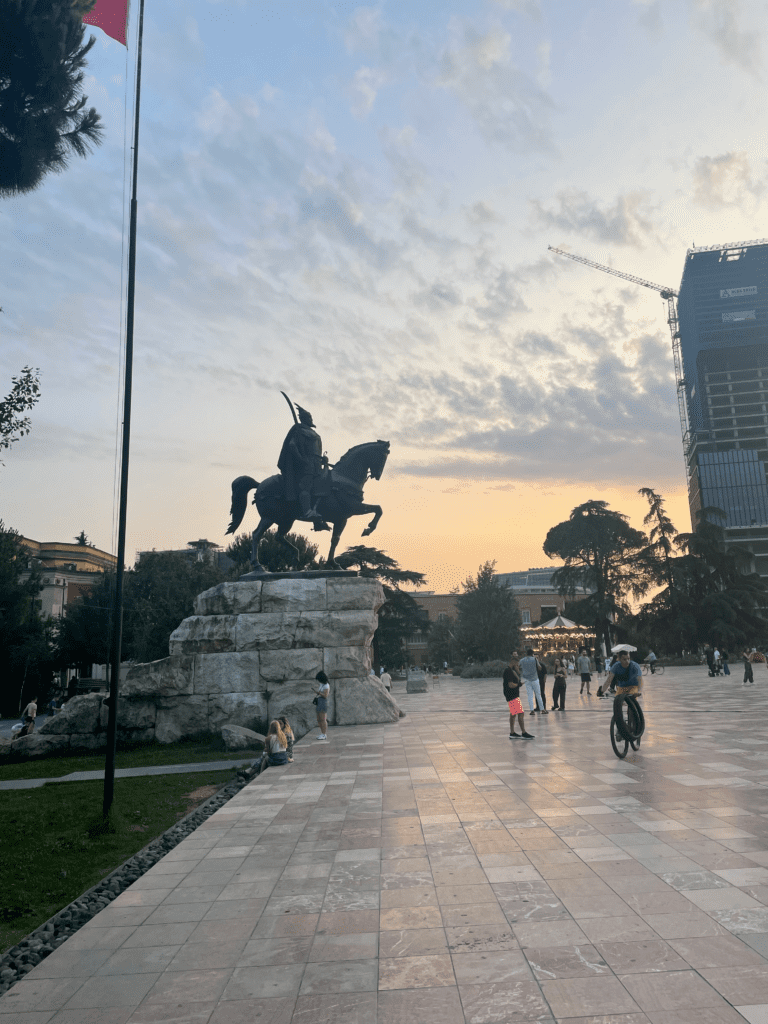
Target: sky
353,204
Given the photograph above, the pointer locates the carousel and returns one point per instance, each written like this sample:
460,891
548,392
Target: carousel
559,636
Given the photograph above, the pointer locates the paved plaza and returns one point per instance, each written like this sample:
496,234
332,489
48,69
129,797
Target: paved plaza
436,871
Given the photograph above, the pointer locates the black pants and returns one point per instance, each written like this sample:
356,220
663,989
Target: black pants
558,692
542,685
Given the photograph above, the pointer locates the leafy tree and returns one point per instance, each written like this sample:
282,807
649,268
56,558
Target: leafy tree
82,540
43,117
85,634
275,555
400,617
442,643
24,394
158,593
488,626
25,639
603,554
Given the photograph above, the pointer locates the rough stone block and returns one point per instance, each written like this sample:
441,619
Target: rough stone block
335,629
293,698
204,635
247,709
417,685
270,631
347,662
38,745
168,677
87,741
237,738
293,596
136,714
179,717
363,701
230,599
353,593
135,735
5,747
230,672
80,714
299,663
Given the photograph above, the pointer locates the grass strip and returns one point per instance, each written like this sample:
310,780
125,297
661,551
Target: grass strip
147,754
48,857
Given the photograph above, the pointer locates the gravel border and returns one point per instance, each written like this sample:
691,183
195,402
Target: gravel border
35,947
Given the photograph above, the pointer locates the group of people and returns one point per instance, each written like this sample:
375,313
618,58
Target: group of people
718,662
624,677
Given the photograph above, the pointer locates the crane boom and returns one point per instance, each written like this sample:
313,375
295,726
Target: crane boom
669,295
661,289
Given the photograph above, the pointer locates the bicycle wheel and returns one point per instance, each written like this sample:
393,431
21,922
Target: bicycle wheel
630,721
645,669
659,670
619,744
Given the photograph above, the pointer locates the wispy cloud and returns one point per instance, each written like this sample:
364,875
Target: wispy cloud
626,221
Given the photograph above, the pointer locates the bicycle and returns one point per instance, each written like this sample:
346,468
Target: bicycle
658,670
627,724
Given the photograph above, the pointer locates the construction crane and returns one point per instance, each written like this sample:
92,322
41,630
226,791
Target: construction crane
669,295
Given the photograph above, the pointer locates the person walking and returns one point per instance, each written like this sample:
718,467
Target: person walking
29,716
541,670
709,656
724,662
529,672
321,700
386,679
511,686
585,669
559,685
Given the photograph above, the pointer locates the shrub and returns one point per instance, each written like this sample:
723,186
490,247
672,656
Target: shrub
484,669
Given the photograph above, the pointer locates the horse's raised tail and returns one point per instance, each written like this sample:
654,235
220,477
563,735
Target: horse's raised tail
240,489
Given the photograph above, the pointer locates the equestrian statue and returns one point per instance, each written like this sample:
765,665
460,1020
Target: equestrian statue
309,489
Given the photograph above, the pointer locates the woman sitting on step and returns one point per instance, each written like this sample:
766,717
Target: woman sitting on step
275,748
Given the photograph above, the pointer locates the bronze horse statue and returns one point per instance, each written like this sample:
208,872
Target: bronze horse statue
339,494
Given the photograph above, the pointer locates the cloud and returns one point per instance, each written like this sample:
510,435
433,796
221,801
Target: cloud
364,89
724,180
626,221
720,22
529,7
509,109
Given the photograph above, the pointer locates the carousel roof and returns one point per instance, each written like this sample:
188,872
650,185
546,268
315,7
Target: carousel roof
560,622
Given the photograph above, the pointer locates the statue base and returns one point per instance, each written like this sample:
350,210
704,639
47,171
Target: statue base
297,574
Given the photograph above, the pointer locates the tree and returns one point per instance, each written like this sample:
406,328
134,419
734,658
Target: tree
24,394
603,554
488,626
43,118
294,553
85,634
82,540
442,645
400,618
25,639
158,593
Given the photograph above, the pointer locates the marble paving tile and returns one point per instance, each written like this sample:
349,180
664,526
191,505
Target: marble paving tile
578,997
553,962
416,972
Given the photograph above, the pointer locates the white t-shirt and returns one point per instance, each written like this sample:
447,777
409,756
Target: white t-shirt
386,678
324,689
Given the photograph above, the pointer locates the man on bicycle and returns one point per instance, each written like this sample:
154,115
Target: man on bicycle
625,675
652,659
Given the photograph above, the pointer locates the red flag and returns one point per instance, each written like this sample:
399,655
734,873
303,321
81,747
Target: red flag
111,16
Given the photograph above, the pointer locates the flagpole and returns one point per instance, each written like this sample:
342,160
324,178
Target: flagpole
117,607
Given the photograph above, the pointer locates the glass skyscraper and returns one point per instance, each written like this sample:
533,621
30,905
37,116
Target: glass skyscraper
723,324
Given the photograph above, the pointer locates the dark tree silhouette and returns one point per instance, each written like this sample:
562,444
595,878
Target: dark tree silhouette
23,395
43,114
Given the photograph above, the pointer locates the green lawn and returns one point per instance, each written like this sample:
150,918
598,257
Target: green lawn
184,752
48,859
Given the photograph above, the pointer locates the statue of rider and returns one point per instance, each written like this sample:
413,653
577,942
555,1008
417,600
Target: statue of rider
301,461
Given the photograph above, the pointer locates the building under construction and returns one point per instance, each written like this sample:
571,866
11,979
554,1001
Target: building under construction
723,324
719,326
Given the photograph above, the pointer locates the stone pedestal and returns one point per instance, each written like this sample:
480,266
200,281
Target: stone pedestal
249,654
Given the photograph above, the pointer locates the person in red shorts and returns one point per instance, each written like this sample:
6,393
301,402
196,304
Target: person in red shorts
512,697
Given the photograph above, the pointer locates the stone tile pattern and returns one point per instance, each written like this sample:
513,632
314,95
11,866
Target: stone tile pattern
434,870
247,655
